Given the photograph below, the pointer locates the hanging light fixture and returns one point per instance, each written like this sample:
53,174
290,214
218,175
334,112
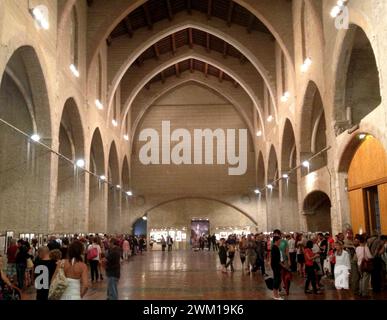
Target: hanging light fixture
35,137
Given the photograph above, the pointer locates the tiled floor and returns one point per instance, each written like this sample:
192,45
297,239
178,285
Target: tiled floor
196,275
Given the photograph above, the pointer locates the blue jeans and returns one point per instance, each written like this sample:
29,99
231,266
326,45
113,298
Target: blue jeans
112,292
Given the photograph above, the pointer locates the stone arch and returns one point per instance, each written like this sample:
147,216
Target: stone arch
313,128
114,11
160,65
317,209
122,60
289,186
114,194
204,198
357,87
204,82
24,165
70,212
97,207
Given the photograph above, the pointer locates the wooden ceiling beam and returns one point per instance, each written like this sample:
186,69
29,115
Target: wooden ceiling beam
162,75
170,13
173,42
250,23
189,7
225,47
147,86
206,69
191,65
242,58
190,38
156,50
140,61
177,70
229,13
128,26
208,42
148,16
209,9
220,75
236,84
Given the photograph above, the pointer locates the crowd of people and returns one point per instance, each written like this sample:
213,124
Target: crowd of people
351,262
75,258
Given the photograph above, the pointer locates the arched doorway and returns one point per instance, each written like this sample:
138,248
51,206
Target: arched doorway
70,213
24,165
317,209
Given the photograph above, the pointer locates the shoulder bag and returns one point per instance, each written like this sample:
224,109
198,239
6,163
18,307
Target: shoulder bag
59,284
367,265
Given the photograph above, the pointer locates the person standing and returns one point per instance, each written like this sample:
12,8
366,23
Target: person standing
214,243
113,269
275,263
43,259
21,262
363,253
11,260
292,253
242,251
309,268
163,243
93,256
125,249
169,243
223,254
343,266
251,253
231,255
75,271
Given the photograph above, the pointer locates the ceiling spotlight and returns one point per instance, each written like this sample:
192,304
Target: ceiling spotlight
129,193
285,96
335,11
270,118
98,104
74,70
80,163
362,136
259,133
285,176
270,186
118,186
257,191
35,137
40,14
126,137
305,66
114,122
103,178
306,164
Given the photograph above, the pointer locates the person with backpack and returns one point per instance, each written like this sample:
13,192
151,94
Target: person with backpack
93,256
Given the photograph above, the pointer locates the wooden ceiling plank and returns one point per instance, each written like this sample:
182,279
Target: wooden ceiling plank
148,16
208,42
128,26
250,23
191,65
177,70
230,12
170,12
189,7
209,10
156,50
206,69
173,40
225,47
220,75
190,38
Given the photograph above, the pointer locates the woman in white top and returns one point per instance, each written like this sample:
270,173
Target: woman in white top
342,267
76,273
363,252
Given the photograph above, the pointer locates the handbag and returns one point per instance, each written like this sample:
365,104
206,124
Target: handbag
30,264
59,284
367,265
